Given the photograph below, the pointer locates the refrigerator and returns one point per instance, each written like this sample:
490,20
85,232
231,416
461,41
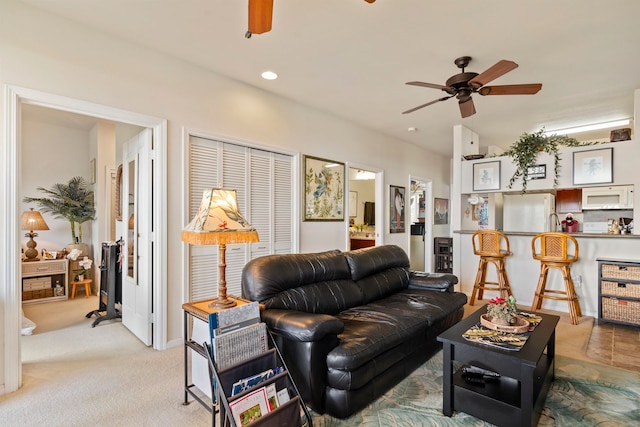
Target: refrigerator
529,212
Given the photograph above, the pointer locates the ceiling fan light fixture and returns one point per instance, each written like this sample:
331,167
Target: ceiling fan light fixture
587,128
269,75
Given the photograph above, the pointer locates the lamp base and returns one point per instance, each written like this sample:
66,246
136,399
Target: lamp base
222,303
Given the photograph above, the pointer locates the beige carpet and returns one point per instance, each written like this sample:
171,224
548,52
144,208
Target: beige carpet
76,375
84,376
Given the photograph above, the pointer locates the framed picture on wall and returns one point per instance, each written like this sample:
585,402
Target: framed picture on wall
440,211
486,176
323,189
396,209
353,204
593,166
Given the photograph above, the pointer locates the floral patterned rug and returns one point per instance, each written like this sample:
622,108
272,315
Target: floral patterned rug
583,394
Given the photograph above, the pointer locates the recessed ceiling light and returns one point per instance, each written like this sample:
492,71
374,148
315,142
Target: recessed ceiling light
412,129
269,75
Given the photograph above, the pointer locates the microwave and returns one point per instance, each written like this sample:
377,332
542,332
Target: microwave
613,197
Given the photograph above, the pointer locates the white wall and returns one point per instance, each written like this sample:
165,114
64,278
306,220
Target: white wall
53,154
45,53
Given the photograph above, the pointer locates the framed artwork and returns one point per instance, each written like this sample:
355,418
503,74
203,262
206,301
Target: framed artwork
396,209
323,189
353,204
593,166
486,176
440,211
536,172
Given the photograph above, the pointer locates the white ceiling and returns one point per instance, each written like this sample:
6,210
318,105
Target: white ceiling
352,58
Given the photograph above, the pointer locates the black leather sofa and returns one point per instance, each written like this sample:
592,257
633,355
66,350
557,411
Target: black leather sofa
351,325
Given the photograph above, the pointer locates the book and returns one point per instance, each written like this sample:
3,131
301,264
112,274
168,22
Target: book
237,346
252,381
234,318
272,397
283,396
250,407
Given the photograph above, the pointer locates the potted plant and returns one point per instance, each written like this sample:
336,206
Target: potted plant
502,311
525,150
72,201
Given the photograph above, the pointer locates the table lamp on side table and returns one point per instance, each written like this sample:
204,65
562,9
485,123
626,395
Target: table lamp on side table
32,220
219,222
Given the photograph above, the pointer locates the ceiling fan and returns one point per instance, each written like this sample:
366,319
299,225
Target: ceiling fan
261,15
464,84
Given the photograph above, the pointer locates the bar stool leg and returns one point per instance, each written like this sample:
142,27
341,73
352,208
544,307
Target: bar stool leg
480,275
572,297
503,280
540,289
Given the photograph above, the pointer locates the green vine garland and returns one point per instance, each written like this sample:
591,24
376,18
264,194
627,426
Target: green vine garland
524,153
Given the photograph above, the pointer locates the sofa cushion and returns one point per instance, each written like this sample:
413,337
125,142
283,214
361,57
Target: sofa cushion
367,261
383,283
266,276
372,329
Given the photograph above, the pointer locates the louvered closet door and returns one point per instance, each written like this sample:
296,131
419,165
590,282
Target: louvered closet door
203,174
263,184
235,167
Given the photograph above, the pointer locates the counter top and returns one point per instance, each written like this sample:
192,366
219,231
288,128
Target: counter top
576,235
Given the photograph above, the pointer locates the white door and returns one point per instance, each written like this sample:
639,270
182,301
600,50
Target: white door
137,273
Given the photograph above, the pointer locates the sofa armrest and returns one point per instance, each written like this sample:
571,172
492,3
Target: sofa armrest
442,282
300,326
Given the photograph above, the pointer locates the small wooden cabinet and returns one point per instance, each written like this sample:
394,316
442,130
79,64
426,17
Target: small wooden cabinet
619,291
569,201
44,281
362,243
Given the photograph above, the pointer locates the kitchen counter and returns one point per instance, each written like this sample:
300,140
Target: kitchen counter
576,235
523,271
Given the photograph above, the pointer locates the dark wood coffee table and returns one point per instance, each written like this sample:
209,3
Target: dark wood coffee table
518,397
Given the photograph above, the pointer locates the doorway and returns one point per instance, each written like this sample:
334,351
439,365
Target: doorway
11,293
421,220
363,210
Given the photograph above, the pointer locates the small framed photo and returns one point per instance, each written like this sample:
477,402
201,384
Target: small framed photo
486,176
536,172
353,204
593,166
323,190
396,209
440,211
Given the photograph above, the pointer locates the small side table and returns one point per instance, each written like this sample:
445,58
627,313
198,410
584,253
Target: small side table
87,287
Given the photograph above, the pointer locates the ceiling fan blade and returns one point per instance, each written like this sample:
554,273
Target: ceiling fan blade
260,16
430,85
524,89
426,105
467,108
500,68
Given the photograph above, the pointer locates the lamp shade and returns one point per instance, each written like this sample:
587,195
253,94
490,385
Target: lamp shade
32,220
219,221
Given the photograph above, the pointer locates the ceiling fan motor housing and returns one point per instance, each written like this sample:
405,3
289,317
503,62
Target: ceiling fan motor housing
460,82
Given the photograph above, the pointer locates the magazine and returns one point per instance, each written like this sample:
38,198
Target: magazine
250,407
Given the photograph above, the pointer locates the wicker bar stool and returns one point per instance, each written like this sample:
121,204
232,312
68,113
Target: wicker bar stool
492,247
556,250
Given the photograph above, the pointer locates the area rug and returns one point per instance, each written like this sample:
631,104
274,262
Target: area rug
583,394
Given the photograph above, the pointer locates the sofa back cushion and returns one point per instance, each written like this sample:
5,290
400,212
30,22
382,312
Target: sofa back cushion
379,271
367,261
312,282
